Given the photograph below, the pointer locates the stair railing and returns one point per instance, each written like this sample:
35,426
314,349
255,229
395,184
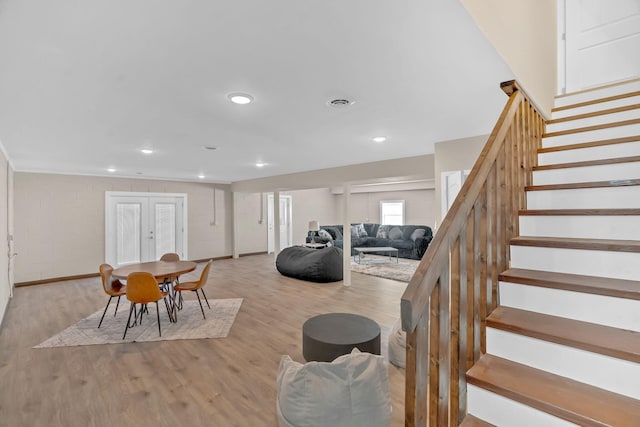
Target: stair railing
455,286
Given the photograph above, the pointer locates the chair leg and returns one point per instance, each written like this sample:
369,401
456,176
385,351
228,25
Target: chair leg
158,313
126,327
171,312
205,298
105,311
117,304
200,302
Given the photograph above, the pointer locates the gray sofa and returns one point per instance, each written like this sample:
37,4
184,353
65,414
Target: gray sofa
410,240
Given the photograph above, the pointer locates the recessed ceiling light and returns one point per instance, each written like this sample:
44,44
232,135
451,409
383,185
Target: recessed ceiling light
379,138
201,176
240,98
111,170
146,151
260,164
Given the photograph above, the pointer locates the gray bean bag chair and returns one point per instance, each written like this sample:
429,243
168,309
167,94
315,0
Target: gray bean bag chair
315,265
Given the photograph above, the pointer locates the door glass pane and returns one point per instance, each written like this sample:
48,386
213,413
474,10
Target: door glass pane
127,233
165,228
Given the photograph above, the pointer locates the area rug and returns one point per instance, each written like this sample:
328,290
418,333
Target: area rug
381,266
190,325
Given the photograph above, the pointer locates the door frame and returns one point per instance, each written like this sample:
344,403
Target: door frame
108,224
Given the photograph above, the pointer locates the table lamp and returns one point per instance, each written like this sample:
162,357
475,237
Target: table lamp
313,228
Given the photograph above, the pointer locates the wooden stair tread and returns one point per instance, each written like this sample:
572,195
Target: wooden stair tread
578,243
576,185
562,397
606,340
596,101
471,421
619,288
611,161
581,212
589,144
595,113
590,128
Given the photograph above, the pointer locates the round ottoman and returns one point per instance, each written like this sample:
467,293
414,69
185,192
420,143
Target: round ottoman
315,265
328,336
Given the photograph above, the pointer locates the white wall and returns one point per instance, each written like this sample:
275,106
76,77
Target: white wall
524,34
419,205
59,221
318,204
5,230
456,155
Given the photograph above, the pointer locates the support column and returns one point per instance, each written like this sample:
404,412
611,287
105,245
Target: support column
346,236
236,225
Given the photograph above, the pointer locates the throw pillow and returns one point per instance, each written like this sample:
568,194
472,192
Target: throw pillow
383,232
361,231
325,234
398,345
417,233
353,390
395,233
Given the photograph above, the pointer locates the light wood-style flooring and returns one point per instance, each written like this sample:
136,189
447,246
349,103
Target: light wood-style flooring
211,382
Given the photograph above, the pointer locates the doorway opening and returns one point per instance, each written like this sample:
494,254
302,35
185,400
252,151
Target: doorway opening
286,222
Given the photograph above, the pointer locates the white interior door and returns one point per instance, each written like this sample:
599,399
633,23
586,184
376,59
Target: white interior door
286,222
140,227
602,42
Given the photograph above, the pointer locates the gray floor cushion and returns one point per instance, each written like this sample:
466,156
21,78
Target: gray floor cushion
315,265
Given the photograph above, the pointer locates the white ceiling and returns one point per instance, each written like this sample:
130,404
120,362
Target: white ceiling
85,84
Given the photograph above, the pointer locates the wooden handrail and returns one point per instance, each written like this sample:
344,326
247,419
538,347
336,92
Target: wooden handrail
454,288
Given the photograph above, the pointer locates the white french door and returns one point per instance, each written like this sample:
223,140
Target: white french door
140,227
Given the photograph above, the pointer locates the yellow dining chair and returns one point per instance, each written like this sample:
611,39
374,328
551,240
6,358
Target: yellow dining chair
142,288
195,287
111,287
168,280
170,257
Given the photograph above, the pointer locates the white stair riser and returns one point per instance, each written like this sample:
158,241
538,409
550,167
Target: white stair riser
626,149
591,108
585,198
503,412
595,120
609,373
591,95
620,313
609,172
617,265
623,227
592,135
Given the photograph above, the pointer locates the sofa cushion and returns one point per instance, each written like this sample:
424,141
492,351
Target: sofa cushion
395,233
400,244
398,345
418,232
353,390
325,234
383,231
335,232
358,230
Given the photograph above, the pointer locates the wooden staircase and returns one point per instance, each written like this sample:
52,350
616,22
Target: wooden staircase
563,345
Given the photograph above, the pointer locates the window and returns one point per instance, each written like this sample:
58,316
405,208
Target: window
392,212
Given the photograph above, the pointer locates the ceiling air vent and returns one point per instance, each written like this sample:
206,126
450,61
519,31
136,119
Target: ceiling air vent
340,102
